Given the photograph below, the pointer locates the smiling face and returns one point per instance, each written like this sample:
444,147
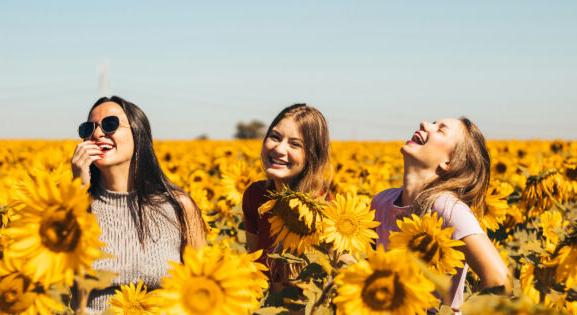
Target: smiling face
432,145
117,147
283,153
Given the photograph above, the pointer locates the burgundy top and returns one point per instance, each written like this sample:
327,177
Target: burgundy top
255,196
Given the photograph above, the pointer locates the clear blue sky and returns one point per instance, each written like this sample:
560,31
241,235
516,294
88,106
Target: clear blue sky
374,68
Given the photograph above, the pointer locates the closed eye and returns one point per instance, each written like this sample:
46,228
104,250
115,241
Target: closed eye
275,136
296,144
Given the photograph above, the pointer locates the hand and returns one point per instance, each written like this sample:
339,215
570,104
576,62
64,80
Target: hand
86,152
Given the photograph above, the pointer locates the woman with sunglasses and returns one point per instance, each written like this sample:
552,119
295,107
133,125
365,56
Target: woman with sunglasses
145,219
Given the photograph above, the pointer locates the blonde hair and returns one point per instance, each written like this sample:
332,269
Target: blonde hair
315,177
468,175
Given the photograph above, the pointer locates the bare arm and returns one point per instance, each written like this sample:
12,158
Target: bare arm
485,260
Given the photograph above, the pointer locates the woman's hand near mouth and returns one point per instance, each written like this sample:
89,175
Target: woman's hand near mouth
85,153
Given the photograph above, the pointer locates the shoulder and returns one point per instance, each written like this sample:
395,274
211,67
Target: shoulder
259,187
457,214
186,202
384,197
447,204
256,190
254,196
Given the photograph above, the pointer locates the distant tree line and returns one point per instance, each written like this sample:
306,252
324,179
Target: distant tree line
252,130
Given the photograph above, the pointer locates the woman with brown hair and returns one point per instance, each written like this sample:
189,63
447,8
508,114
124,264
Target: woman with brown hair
447,170
295,154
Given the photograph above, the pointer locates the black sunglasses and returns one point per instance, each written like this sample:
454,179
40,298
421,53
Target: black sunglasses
108,125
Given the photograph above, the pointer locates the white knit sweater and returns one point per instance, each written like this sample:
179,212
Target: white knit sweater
132,261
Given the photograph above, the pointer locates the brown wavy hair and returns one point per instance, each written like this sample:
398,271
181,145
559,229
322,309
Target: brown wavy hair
315,177
467,177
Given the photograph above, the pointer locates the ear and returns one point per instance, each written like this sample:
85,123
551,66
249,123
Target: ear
444,165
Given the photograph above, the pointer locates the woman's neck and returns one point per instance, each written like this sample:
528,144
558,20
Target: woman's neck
279,185
116,179
414,181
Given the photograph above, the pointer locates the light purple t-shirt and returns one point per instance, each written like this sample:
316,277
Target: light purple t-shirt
455,214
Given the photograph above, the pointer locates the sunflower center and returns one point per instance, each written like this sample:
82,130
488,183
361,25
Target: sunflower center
347,226
383,291
134,308
425,245
15,296
501,168
201,295
571,173
291,218
60,231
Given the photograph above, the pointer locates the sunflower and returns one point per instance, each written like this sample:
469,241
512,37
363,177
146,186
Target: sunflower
200,197
551,222
133,299
542,191
54,235
20,295
385,283
566,261
570,172
295,220
502,167
527,281
432,243
213,280
571,301
496,205
350,224
236,178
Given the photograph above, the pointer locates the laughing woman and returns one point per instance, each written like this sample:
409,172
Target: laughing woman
295,153
446,170
145,219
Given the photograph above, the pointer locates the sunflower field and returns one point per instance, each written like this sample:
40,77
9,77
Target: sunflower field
49,241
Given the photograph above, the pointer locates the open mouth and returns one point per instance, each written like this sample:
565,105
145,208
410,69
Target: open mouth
418,138
105,147
274,162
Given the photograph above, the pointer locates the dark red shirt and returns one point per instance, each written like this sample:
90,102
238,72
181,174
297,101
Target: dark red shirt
255,196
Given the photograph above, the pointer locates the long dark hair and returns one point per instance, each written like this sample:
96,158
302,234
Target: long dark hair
150,185
315,177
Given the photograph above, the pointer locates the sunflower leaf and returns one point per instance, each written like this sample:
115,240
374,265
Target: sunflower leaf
272,310
288,258
100,279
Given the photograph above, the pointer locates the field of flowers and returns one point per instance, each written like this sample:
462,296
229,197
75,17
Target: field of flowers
49,241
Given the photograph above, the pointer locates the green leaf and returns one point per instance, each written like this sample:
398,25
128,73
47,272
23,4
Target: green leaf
291,259
442,282
289,296
312,271
324,310
271,310
101,279
312,293
499,290
445,310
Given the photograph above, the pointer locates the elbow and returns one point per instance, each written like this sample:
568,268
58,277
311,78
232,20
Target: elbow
498,278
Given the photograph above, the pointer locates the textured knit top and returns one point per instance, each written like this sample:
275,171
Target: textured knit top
455,214
131,260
